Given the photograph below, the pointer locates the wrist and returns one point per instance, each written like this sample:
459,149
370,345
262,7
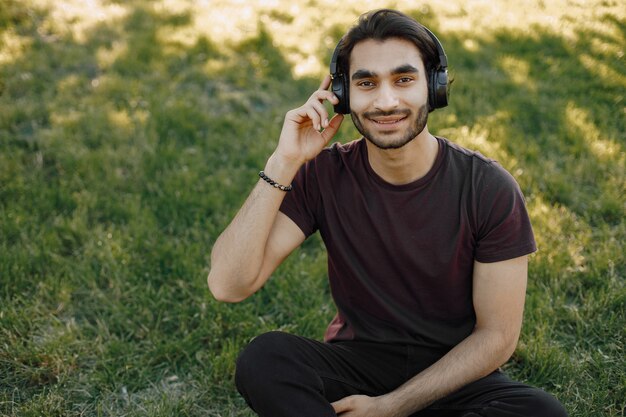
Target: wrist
392,405
281,187
281,169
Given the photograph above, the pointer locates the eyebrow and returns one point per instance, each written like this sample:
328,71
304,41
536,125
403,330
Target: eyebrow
402,69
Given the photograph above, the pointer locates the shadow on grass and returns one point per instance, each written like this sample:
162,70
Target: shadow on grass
549,83
123,156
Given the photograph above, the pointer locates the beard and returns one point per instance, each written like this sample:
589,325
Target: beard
386,140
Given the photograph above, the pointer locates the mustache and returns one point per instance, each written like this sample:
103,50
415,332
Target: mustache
380,113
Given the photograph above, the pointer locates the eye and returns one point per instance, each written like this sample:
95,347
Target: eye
404,80
365,84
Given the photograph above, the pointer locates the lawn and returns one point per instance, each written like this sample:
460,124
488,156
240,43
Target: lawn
132,131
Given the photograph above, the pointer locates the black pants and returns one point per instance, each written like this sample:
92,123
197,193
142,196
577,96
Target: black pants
282,375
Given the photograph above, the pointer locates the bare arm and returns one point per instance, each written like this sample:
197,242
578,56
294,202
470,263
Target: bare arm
499,291
253,245
260,237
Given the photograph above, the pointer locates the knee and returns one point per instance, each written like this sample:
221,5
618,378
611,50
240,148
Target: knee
260,357
554,406
524,402
263,349
544,404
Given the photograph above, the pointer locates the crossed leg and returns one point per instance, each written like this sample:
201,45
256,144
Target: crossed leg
282,375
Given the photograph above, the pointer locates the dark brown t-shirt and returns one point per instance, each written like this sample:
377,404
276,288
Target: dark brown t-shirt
400,258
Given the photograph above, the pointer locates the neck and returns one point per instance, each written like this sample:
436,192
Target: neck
406,164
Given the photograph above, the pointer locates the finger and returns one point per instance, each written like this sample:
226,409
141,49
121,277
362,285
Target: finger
298,116
321,95
339,406
323,113
333,127
307,113
314,117
325,83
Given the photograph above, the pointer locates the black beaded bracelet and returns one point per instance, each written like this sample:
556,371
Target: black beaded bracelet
274,183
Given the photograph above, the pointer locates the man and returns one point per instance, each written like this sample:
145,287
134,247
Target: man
427,248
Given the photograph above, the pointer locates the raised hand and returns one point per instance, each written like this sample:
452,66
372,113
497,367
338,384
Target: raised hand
306,129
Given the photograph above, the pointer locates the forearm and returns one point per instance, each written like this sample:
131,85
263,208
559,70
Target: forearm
478,355
237,256
255,242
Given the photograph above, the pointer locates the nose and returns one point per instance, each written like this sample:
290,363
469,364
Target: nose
387,99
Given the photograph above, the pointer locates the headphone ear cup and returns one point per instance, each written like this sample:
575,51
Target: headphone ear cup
438,91
339,83
432,100
339,88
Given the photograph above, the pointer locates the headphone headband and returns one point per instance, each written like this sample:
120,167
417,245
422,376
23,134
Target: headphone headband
333,60
443,59
438,91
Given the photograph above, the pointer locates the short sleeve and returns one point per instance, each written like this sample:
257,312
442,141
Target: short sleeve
302,202
504,228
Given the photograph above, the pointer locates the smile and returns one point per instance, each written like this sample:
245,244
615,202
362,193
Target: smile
387,121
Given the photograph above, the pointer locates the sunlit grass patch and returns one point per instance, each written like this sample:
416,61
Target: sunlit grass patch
131,132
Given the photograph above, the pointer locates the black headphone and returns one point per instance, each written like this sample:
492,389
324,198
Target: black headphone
438,91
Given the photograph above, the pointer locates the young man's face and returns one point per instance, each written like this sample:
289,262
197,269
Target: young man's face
388,91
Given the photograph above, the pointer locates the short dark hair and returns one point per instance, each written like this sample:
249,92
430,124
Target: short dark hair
384,24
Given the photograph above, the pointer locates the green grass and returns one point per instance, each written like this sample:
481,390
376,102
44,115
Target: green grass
128,141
